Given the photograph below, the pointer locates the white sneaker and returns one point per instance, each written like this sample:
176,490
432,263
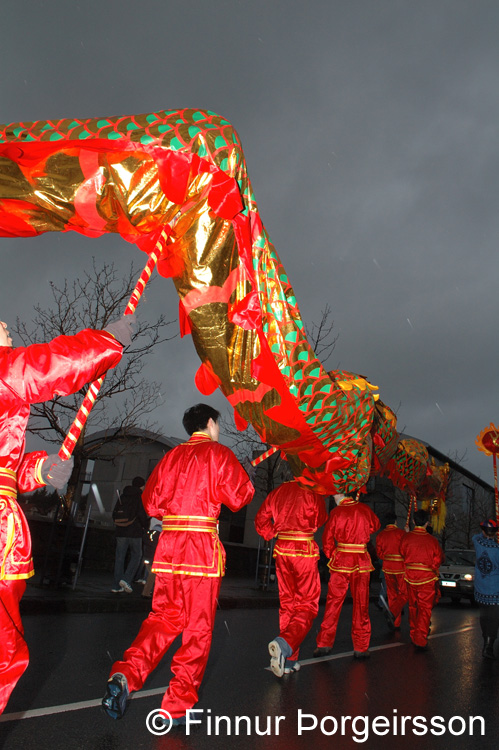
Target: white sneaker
292,666
277,660
126,587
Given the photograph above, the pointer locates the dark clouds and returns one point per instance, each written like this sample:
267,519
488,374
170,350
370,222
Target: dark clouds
370,132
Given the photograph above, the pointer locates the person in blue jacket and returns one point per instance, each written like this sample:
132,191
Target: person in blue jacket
487,583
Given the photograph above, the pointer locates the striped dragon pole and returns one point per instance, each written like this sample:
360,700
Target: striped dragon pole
74,431
412,499
263,456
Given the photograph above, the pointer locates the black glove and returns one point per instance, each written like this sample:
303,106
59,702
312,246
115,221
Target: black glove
56,471
122,329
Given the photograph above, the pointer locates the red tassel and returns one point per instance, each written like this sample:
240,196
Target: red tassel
206,380
240,422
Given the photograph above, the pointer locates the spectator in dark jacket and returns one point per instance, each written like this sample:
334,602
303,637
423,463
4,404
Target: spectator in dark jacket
130,520
487,583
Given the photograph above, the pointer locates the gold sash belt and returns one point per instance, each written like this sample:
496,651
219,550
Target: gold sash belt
295,536
357,549
190,523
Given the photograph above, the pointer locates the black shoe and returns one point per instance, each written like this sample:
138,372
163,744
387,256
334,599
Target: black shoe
115,701
361,654
389,620
488,648
421,648
180,721
322,651
162,722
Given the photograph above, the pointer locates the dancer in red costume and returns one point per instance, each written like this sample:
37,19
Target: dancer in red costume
388,550
293,513
345,539
185,490
30,375
422,556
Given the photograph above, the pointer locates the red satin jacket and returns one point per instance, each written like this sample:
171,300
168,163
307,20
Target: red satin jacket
30,375
388,549
346,535
293,513
422,556
186,490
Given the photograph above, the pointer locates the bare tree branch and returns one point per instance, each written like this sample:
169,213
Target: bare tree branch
126,397
321,335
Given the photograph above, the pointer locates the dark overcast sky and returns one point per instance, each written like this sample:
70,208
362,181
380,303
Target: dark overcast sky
371,135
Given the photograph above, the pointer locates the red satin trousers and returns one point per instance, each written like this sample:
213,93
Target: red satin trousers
361,624
299,592
14,655
396,590
422,599
181,604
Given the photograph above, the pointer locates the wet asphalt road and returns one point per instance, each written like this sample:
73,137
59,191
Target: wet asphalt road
71,655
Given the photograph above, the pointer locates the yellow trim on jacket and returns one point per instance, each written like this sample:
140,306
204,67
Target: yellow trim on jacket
355,549
195,524
311,549
38,471
8,483
420,566
190,523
